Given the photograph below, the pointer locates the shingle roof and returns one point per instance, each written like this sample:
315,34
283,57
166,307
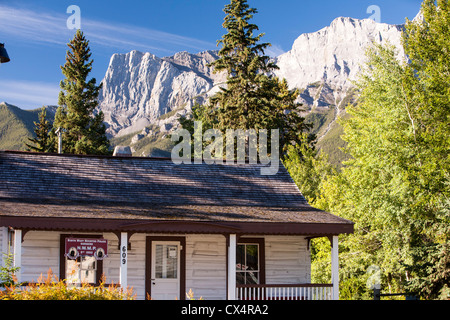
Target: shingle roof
142,180
72,186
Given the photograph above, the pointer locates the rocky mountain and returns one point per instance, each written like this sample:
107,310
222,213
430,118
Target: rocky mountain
143,95
140,89
324,64
334,54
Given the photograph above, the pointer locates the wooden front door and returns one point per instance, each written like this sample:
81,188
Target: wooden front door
165,268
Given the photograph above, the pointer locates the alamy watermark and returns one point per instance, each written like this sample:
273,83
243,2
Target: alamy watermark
74,21
374,279
376,13
256,144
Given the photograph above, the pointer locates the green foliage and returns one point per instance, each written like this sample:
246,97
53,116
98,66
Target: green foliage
44,140
84,132
244,103
307,168
395,185
252,99
7,270
51,288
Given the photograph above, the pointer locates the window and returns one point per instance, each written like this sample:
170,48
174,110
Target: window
166,261
250,261
83,269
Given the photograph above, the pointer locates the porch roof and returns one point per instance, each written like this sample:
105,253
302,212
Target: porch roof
100,193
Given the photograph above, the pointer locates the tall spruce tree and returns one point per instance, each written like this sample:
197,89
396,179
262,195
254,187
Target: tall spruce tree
44,141
253,97
244,103
83,131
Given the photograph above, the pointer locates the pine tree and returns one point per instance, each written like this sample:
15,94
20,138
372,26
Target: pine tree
243,104
83,131
253,98
44,141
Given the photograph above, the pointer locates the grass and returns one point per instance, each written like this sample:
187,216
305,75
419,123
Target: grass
16,126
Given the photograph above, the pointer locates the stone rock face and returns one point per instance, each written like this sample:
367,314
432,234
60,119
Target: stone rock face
331,58
139,87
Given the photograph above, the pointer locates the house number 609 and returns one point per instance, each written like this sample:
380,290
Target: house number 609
124,254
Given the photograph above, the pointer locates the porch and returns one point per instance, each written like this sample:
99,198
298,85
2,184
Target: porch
209,265
305,291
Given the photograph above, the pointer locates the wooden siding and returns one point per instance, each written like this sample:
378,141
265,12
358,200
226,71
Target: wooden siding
287,260
206,266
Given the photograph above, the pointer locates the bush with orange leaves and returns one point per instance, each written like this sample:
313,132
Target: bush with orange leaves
51,288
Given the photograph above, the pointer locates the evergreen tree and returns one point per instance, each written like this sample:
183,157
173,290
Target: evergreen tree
83,131
44,141
244,103
253,97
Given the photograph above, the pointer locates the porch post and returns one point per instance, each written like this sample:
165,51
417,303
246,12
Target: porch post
123,259
18,253
232,267
335,267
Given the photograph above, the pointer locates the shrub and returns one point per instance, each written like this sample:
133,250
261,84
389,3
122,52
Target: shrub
51,288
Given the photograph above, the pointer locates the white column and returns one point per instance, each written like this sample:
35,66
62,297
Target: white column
123,259
18,253
335,267
232,268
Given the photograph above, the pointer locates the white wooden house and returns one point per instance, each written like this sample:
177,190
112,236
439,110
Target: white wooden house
224,231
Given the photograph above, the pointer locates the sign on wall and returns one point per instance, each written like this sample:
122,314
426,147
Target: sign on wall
76,247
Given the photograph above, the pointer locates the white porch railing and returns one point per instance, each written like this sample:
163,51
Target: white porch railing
284,292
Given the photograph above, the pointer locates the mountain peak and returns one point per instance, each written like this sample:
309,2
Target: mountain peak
335,53
140,87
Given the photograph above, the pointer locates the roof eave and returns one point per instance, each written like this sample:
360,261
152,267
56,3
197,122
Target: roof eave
173,226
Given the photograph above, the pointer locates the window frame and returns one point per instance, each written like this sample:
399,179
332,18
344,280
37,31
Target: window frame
62,258
261,256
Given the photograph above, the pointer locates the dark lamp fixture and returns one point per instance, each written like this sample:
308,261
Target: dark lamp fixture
3,54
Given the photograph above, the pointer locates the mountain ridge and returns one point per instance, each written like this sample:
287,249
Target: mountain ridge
143,94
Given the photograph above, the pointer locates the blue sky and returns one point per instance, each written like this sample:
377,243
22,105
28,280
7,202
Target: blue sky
35,33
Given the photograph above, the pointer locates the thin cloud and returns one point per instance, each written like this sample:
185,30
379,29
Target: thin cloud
50,28
274,51
28,94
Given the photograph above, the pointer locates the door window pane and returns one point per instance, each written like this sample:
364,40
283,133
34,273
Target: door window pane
166,261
